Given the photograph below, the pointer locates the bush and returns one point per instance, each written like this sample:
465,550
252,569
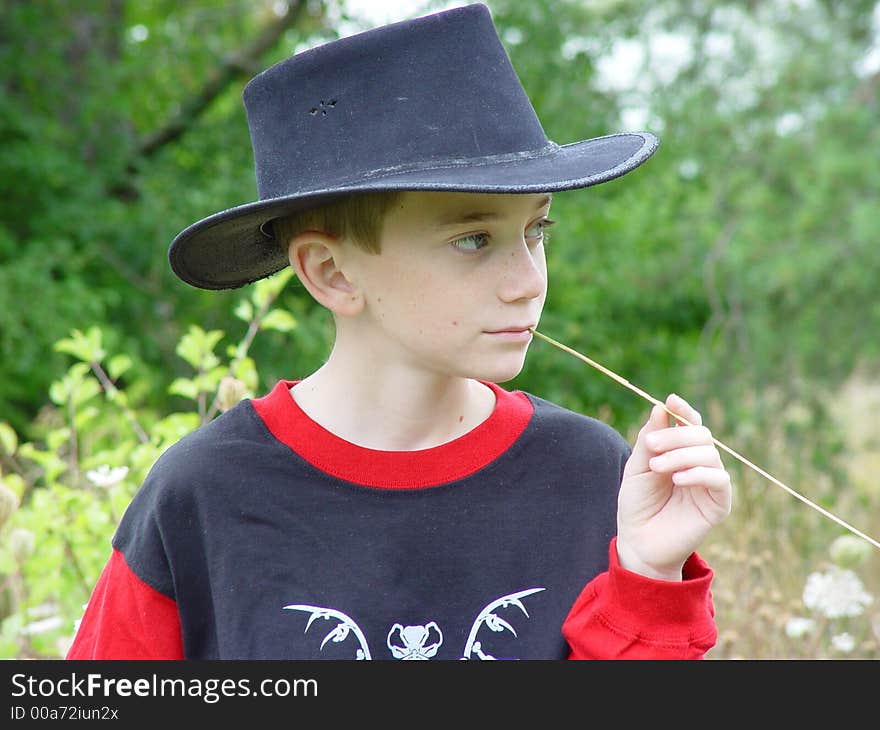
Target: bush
61,497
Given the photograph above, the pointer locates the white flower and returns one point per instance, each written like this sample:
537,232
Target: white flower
798,626
843,642
42,626
836,593
106,477
43,610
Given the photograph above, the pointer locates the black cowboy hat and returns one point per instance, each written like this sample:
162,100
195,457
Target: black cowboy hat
426,104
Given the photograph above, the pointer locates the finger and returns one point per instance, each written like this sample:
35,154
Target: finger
704,476
681,407
677,437
718,487
638,460
685,458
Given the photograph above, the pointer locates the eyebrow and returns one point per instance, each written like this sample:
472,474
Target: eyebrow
477,216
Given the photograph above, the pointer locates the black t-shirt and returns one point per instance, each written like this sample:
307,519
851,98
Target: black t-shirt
278,540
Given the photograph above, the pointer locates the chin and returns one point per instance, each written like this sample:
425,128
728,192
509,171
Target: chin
500,372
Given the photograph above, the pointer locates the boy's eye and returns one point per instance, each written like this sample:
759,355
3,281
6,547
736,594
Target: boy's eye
477,241
536,230
471,242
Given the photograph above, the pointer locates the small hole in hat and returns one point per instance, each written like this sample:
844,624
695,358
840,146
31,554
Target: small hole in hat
322,108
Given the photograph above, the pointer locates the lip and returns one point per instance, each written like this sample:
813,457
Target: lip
513,334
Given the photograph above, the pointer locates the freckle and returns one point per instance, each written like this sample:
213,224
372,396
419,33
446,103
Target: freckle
460,419
455,323
378,299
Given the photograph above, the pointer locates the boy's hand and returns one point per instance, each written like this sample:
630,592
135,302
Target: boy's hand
674,491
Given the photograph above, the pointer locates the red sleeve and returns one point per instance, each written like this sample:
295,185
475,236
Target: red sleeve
624,615
127,619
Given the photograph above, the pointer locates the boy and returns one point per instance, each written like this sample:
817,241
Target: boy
398,503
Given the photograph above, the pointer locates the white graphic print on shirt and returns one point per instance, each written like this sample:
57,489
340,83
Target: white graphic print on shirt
419,642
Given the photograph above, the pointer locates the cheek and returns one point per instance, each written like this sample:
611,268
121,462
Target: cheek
411,298
437,306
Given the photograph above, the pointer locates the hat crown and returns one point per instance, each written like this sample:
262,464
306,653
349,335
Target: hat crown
426,104
429,92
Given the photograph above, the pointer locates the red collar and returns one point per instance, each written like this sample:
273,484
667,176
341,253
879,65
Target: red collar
395,469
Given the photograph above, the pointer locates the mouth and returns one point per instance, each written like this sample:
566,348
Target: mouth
515,328
516,333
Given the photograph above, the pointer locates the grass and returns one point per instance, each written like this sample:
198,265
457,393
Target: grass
763,554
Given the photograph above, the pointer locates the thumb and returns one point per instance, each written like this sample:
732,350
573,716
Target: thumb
641,454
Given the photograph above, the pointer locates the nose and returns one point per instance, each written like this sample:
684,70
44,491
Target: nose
524,273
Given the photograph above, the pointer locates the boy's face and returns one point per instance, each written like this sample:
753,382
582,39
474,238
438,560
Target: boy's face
459,280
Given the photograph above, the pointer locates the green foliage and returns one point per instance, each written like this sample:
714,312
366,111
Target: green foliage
120,124
61,496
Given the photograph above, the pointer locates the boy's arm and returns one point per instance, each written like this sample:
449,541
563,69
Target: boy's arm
654,601
127,619
624,615
674,492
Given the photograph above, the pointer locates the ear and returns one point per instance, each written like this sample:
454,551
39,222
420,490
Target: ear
316,257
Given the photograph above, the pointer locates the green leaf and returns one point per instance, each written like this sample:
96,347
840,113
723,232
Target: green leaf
176,426
186,387
57,438
85,346
118,364
244,310
8,438
246,371
278,319
85,390
85,417
65,389
266,290
196,347
208,382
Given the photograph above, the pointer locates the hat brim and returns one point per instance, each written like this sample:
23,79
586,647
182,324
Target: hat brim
229,249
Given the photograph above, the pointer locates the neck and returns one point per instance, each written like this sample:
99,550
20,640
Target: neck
391,408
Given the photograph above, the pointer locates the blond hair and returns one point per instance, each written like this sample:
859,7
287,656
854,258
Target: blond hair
357,217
